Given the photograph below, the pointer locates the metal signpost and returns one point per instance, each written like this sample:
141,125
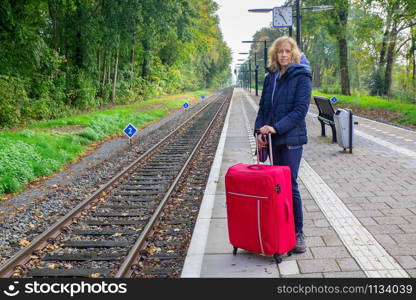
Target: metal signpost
130,131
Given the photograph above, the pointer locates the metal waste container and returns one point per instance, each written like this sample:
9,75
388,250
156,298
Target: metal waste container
343,119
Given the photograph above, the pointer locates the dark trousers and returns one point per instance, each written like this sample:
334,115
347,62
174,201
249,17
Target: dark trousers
291,156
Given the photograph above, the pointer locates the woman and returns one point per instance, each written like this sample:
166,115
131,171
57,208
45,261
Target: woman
283,106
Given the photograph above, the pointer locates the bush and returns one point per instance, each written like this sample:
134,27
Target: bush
330,89
14,103
27,133
375,82
89,134
16,107
405,96
86,93
16,159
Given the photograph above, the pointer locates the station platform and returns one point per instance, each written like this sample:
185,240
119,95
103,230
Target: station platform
359,209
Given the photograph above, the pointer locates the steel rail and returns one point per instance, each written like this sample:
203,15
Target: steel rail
23,255
125,269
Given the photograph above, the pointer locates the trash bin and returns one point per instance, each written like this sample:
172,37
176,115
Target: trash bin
343,119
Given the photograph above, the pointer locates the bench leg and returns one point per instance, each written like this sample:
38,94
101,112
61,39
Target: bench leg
334,134
322,128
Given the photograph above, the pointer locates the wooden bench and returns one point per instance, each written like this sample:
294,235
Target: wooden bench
326,115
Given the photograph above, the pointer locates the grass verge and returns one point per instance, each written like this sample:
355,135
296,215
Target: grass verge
404,114
45,147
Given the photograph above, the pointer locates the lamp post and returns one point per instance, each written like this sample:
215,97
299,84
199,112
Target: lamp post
241,74
249,75
297,3
244,79
265,51
298,17
256,71
249,69
238,67
256,79
244,72
245,85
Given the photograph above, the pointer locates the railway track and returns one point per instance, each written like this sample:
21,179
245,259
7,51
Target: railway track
120,229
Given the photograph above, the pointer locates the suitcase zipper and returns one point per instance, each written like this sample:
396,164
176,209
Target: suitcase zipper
244,195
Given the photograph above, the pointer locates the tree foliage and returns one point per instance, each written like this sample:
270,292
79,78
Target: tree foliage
61,56
359,46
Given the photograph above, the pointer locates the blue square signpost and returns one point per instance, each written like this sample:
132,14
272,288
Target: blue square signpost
130,131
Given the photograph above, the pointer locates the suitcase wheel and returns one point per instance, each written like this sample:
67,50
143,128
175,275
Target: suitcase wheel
235,251
277,258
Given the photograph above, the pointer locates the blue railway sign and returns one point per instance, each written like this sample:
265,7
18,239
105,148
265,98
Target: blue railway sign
185,105
334,99
130,130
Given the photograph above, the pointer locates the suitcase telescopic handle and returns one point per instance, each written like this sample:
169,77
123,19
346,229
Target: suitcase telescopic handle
269,136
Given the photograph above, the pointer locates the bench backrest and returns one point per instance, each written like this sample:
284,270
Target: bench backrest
325,107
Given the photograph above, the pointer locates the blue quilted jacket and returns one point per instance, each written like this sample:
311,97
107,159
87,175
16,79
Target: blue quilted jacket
287,110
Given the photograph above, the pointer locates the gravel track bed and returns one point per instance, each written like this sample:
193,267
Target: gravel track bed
166,249
102,268
18,228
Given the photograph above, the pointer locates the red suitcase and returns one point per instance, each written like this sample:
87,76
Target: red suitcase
259,209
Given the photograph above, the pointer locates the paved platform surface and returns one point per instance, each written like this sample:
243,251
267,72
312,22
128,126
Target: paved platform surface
359,208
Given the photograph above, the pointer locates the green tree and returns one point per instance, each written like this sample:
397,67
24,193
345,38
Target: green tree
72,55
398,17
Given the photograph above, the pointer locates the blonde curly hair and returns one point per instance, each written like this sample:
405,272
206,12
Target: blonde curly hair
274,65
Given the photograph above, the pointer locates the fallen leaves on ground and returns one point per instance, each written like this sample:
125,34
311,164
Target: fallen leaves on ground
24,243
53,266
52,247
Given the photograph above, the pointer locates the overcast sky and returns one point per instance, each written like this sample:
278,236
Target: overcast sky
237,24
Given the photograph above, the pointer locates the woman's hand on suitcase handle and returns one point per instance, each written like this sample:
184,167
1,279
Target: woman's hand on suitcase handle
261,142
266,129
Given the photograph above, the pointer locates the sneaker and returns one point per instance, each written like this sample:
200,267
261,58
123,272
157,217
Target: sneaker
300,243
